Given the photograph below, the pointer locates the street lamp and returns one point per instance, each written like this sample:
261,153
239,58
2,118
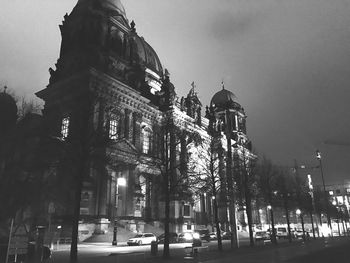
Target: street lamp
300,214
318,156
121,181
268,208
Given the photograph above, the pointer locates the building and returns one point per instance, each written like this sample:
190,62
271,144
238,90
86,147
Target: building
114,121
339,197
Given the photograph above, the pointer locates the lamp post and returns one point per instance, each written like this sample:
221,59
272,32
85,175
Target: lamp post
273,232
318,156
335,203
121,181
311,192
267,217
311,188
300,214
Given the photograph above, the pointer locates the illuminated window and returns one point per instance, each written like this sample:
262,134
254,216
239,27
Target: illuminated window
146,140
113,129
65,127
178,152
348,190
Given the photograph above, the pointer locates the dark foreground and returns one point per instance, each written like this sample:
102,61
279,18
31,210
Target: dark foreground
336,249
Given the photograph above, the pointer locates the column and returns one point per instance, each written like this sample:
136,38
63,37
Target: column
127,124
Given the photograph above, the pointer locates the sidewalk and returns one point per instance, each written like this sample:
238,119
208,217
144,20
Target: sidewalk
296,252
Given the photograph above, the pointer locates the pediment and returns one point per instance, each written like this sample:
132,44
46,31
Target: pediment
126,146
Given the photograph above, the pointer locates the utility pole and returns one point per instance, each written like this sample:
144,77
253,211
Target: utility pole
318,156
296,167
311,192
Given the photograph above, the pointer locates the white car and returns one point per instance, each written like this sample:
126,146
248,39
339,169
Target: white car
282,232
142,239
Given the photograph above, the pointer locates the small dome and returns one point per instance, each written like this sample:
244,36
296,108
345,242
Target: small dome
222,98
8,110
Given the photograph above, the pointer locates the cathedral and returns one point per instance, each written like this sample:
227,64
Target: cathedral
119,128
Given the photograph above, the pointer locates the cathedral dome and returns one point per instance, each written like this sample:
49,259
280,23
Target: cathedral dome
146,55
222,98
112,5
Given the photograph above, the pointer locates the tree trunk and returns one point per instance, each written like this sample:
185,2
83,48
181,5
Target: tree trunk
217,224
286,209
274,239
229,178
166,251
248,207
302,225
232,203
76,212
312,225
170,176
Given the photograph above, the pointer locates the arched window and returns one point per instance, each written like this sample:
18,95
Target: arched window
146,143
65,127
113,127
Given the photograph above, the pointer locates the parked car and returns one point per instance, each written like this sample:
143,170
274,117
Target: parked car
226,235
203,234
190,237
173,238
213,236
262,235
298,233
282,232
142,239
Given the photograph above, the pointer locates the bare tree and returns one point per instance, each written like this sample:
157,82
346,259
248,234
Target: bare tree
206,177
266,173
171,160
285,188
245,165
26,106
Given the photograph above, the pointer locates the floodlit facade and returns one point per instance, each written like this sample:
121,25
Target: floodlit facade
115,114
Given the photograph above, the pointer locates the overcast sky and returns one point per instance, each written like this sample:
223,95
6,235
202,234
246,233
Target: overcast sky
287,61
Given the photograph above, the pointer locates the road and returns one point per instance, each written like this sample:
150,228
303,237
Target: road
297,252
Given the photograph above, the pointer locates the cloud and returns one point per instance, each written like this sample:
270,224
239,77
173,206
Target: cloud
226,26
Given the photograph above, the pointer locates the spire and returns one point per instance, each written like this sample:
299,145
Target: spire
193,85
5,88
132,25
192,92
222,84
166,73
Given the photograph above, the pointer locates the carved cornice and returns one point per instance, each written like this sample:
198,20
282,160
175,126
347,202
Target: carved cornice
121,95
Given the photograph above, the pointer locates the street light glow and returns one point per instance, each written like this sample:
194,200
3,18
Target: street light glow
298,211
121,181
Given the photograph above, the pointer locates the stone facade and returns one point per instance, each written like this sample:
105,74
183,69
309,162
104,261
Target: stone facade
108,102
